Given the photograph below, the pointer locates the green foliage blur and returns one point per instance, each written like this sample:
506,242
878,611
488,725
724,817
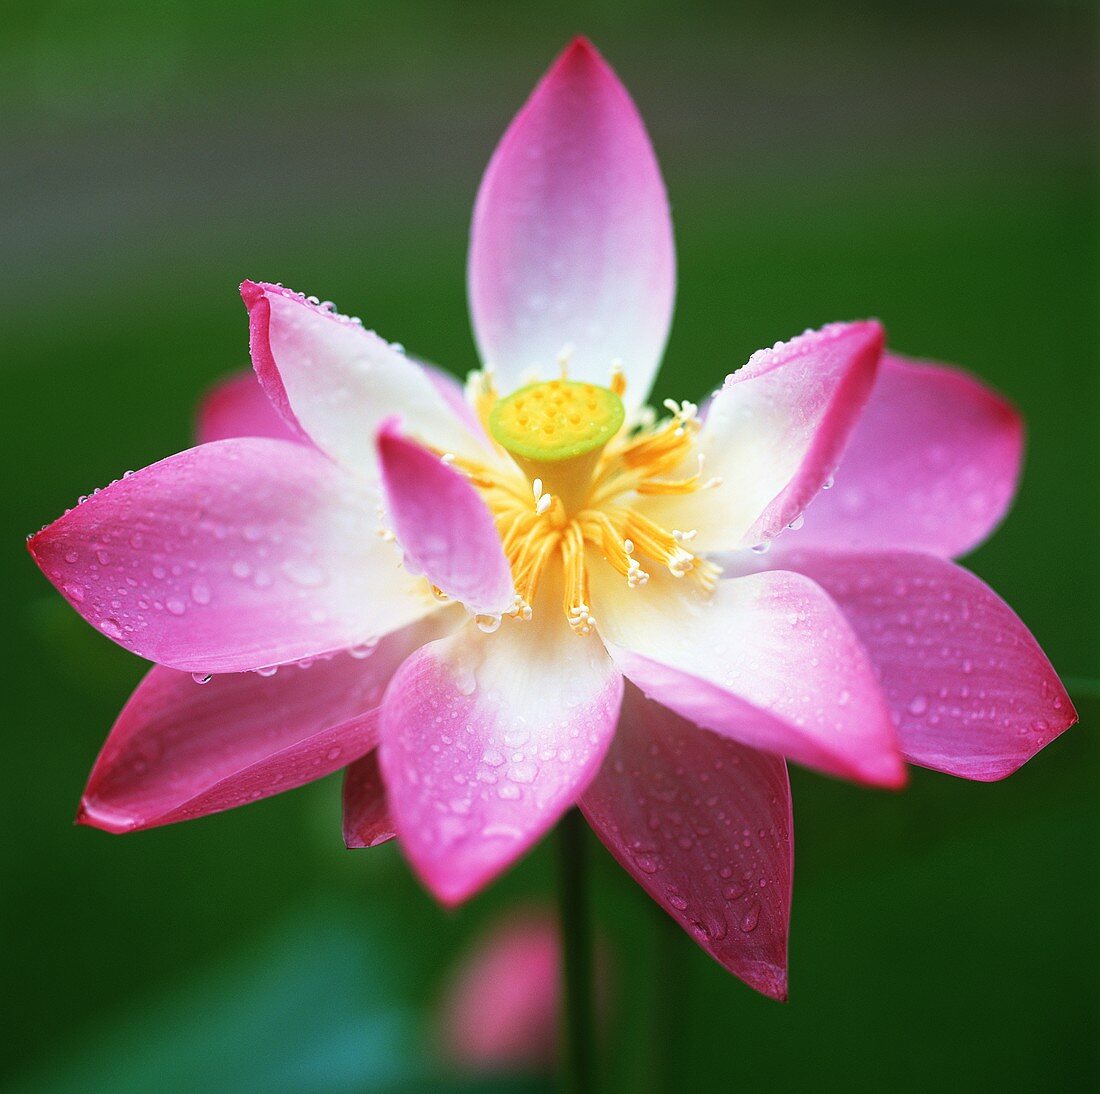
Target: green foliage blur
933,164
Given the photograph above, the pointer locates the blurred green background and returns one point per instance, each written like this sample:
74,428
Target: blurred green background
932,163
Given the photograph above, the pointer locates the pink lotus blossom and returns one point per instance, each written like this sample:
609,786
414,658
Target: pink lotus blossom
500,1008
566,599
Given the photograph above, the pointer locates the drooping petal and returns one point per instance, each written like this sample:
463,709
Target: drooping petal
487,739
443,526
180,750
773,436
232,556
970,689
932,465
572,240
500,1008
367,821
335,382
238,407
766,659
703,824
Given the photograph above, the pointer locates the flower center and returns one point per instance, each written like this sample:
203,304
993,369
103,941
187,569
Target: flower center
588,471
556,431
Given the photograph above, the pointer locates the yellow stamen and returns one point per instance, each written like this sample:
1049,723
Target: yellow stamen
585,472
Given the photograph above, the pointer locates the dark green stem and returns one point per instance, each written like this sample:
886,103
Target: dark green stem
578,1060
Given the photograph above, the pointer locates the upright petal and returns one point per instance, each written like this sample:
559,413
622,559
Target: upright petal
443,526
572,241
703,824
232,556
766,659
971,691
774,434
367,821
487,739
335,382
932,465
238,407
181,750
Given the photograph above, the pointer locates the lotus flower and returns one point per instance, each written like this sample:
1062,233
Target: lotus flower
500,1007
566,600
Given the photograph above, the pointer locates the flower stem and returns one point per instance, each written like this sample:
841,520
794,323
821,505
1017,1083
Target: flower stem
578,1058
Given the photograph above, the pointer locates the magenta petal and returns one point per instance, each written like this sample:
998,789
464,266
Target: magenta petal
970,689
487,739
572,240
335,382
774,434
443,526
181,749
367,820
932,465
231,556
238,407
703,824
767,659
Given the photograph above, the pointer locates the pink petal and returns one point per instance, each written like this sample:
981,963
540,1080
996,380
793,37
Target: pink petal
487,739
972,692
932,466
703,824
774,434
231,556
238,407
336,383
500,1010
367,820
444,527
572,241
181,750
767,659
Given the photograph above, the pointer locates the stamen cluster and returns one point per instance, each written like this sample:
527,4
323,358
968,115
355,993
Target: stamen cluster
538,528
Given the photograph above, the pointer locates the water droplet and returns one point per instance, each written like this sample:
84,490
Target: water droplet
917,705
487,624
269,670
761,548
202,677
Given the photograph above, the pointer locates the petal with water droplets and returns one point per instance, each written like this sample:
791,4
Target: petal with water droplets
932,465
487,739
766,659
572,239
703,824
181,750
972,692
773,435
335,382
231,556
